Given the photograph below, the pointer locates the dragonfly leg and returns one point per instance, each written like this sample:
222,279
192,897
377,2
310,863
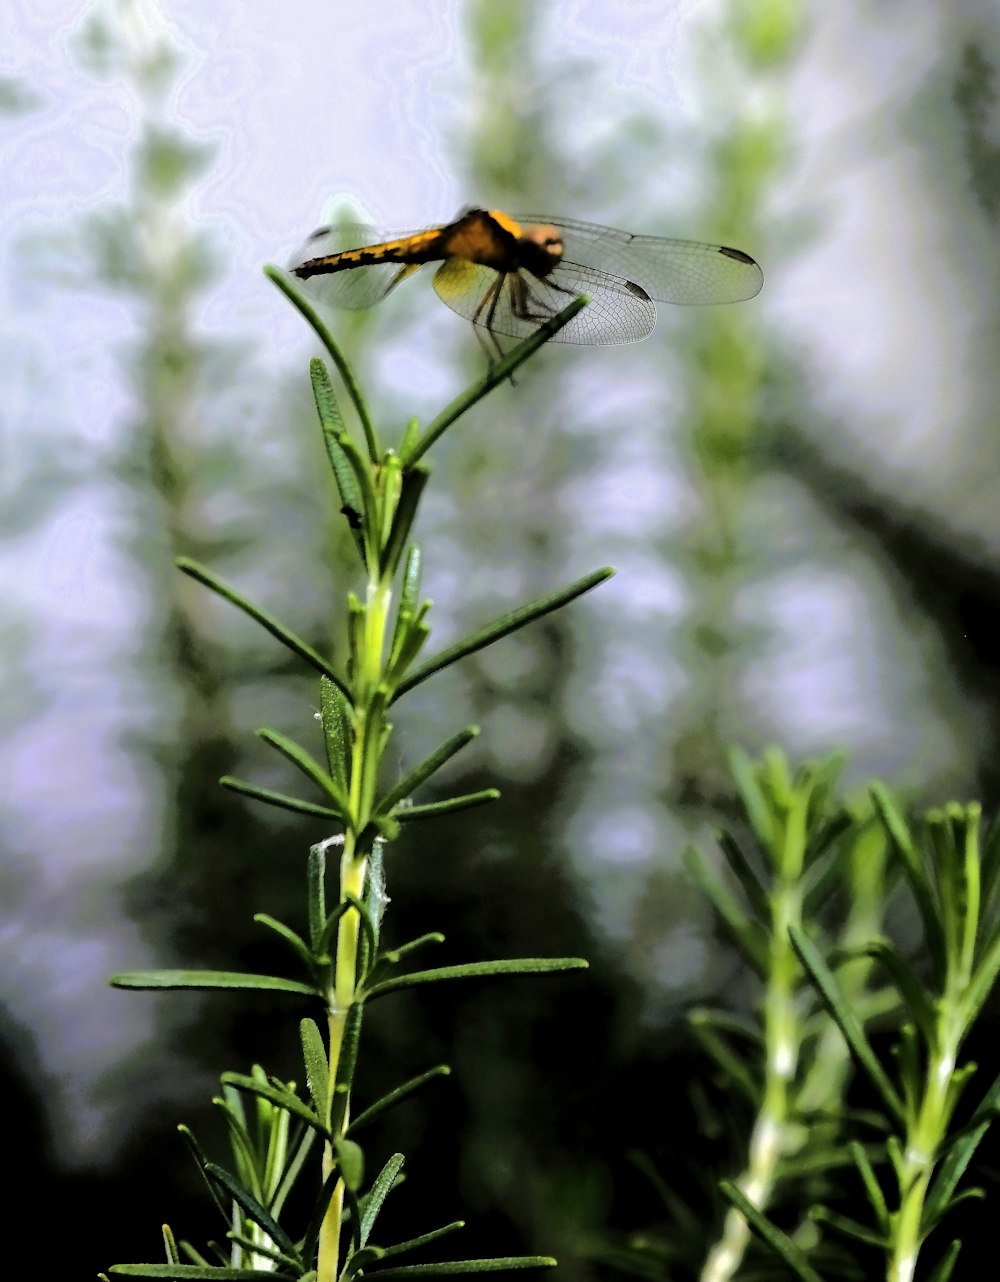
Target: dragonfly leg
489,301
524,301
484,344
560,289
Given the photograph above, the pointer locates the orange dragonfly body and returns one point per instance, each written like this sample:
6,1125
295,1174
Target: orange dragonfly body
509,275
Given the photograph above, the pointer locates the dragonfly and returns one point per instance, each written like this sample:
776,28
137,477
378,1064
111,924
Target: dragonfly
508,274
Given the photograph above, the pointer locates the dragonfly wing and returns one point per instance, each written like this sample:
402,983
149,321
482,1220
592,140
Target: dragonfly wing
517,304
671,271
353,287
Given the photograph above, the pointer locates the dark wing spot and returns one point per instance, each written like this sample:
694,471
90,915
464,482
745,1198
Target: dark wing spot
738,254
318,234
638,290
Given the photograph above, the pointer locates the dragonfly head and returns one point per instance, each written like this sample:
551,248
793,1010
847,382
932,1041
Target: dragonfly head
540,249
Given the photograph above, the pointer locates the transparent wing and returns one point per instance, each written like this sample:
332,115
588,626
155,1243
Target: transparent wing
352,287
517,304
671,271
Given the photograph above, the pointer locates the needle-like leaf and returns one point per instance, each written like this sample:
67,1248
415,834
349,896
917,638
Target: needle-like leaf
503,626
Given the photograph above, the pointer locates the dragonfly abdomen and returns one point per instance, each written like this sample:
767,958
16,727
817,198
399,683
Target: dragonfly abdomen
423,247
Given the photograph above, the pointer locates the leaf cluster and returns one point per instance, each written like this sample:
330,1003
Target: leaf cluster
812,864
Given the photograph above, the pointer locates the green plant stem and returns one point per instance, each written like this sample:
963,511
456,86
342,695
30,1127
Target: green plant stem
376,623
367,741
352,878
948,888
924,1136
773,1132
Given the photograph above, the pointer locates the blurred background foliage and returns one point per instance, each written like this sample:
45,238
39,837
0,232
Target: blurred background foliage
798,494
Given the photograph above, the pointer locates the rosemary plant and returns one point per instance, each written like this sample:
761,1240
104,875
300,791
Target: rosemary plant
954,879
829,1190
810,851
282,1139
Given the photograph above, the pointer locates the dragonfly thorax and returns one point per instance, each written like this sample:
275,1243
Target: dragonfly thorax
539,249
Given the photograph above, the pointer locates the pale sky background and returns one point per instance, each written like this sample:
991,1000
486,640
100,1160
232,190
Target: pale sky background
337,100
